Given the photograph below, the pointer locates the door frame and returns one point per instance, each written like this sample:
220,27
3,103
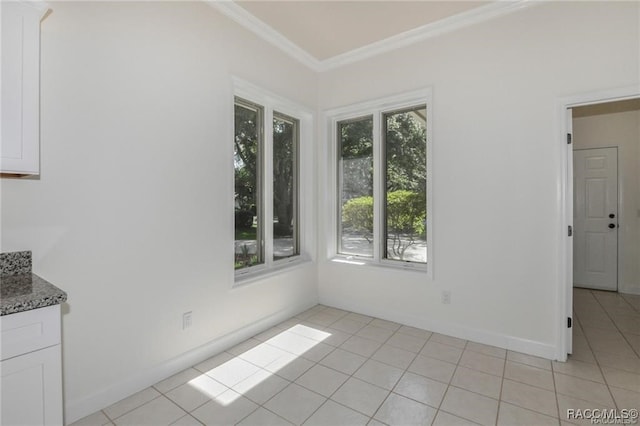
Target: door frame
564,296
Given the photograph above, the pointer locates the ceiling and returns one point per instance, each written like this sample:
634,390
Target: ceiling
326,29
327,34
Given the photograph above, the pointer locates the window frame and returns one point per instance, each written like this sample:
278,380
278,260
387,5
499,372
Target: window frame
378,108
276,106
259,198
296,182
339,180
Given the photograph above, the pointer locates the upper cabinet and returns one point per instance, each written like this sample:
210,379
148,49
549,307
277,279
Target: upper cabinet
20,89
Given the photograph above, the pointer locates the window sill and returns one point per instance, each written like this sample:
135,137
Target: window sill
246,277
389,264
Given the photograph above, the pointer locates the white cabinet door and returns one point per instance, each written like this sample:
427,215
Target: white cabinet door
31,391
20,90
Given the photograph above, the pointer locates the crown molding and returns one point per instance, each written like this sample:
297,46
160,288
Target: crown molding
37,6
452,23
484,13
240,15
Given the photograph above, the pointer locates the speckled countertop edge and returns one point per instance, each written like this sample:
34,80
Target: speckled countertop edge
21,290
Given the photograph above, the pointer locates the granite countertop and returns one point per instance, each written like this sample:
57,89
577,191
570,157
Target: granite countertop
20,289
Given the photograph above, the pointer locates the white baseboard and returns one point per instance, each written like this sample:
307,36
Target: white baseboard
102,398
512,343
629,289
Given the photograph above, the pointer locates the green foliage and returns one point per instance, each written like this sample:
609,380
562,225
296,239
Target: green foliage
248,123
356,138
405,152
357,214
284,170
406,213
245,156
243,219
246,234
356,150
406,217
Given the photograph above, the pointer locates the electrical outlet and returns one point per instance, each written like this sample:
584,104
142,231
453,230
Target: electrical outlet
187,319
446,297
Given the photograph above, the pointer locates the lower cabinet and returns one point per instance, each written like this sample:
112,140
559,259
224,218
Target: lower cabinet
31,383
31,388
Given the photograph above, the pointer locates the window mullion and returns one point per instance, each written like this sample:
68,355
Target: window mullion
336,150
378,188
296,189
267,185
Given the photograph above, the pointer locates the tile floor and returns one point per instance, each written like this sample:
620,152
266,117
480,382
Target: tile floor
331,367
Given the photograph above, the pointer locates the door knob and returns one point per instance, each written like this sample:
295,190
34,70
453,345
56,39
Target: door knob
611,215
611,225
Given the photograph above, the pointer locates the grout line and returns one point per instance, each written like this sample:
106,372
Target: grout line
504,370
108,418
135,408
604,377
419,353
369,358
624,296
616,325
339,387
593,353
555,389
315,363
450,385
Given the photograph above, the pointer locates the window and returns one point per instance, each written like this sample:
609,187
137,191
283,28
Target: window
247,161
356,186
285,186
382,181
405,181
267,181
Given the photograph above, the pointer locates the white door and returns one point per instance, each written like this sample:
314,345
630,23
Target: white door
595,220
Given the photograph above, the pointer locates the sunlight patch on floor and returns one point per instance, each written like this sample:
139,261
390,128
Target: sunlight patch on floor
227,382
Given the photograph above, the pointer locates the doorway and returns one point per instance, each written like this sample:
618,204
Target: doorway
595,217
591,111
606,178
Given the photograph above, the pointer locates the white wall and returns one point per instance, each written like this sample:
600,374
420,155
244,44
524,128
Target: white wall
136,119
133,212
621,129
496,166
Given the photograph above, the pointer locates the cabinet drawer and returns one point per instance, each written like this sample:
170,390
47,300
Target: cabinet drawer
30,330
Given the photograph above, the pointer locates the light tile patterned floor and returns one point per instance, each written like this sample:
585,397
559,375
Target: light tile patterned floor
331,367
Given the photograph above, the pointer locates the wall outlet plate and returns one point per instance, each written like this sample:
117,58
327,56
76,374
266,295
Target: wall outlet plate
187,319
